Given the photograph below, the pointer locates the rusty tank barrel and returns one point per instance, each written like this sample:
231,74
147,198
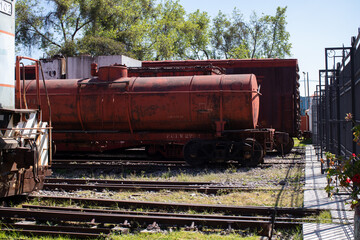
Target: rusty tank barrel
186,103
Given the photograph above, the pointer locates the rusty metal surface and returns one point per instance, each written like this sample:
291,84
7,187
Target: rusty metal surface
99,114
279,103
21,180
171,103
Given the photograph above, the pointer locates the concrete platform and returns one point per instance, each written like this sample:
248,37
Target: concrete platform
315,197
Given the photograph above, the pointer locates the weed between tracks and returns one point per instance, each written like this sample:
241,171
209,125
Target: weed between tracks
149,236
276,185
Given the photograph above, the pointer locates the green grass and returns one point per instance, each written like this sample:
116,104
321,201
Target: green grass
176,235
301,142
323,217
184,235
17,236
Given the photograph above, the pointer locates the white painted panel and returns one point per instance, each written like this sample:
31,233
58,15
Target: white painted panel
7,54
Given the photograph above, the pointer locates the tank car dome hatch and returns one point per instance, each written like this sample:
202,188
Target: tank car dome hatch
111,73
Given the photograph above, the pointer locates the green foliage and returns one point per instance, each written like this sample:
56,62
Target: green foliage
347,172
146,30
127,22
276,38
166,35
96,46
260,37
54,28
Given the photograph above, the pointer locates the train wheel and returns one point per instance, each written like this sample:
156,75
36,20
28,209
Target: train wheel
253,153
197,152
285,149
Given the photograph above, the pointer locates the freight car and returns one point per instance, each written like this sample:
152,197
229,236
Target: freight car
279,81
201,118
24,140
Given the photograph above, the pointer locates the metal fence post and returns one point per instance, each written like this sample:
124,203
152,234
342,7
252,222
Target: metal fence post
353,97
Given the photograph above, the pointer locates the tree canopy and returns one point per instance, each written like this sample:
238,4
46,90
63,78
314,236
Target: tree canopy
147,30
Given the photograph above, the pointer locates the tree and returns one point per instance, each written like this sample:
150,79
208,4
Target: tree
96,46
166,38
137,28
146,30
124,21
260,37
67,26
197,33
55,28
276,43
221,39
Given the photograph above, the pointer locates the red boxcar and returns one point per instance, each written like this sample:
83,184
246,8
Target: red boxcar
279,81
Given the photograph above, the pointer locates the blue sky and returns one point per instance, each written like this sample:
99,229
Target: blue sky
313,25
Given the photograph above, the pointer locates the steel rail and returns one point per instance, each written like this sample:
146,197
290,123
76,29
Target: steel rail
149,187
118,185
254,218
59,215
128,166
72,162
249,210
113,181
120,160
152,186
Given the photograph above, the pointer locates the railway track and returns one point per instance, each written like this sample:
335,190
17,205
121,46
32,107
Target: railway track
122,165
98,219
236,210
92,218
137,159
116,165
120,185
95,223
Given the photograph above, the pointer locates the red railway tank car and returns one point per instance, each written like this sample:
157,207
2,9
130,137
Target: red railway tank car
163,113
279,81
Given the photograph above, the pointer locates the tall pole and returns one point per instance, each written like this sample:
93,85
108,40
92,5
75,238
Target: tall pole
304,84
304,101
308,95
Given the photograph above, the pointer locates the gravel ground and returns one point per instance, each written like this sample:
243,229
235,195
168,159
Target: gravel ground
284,181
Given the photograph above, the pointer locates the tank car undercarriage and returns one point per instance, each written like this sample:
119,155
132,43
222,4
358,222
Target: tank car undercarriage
248,147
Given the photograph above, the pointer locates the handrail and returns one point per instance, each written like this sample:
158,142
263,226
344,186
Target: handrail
18,99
